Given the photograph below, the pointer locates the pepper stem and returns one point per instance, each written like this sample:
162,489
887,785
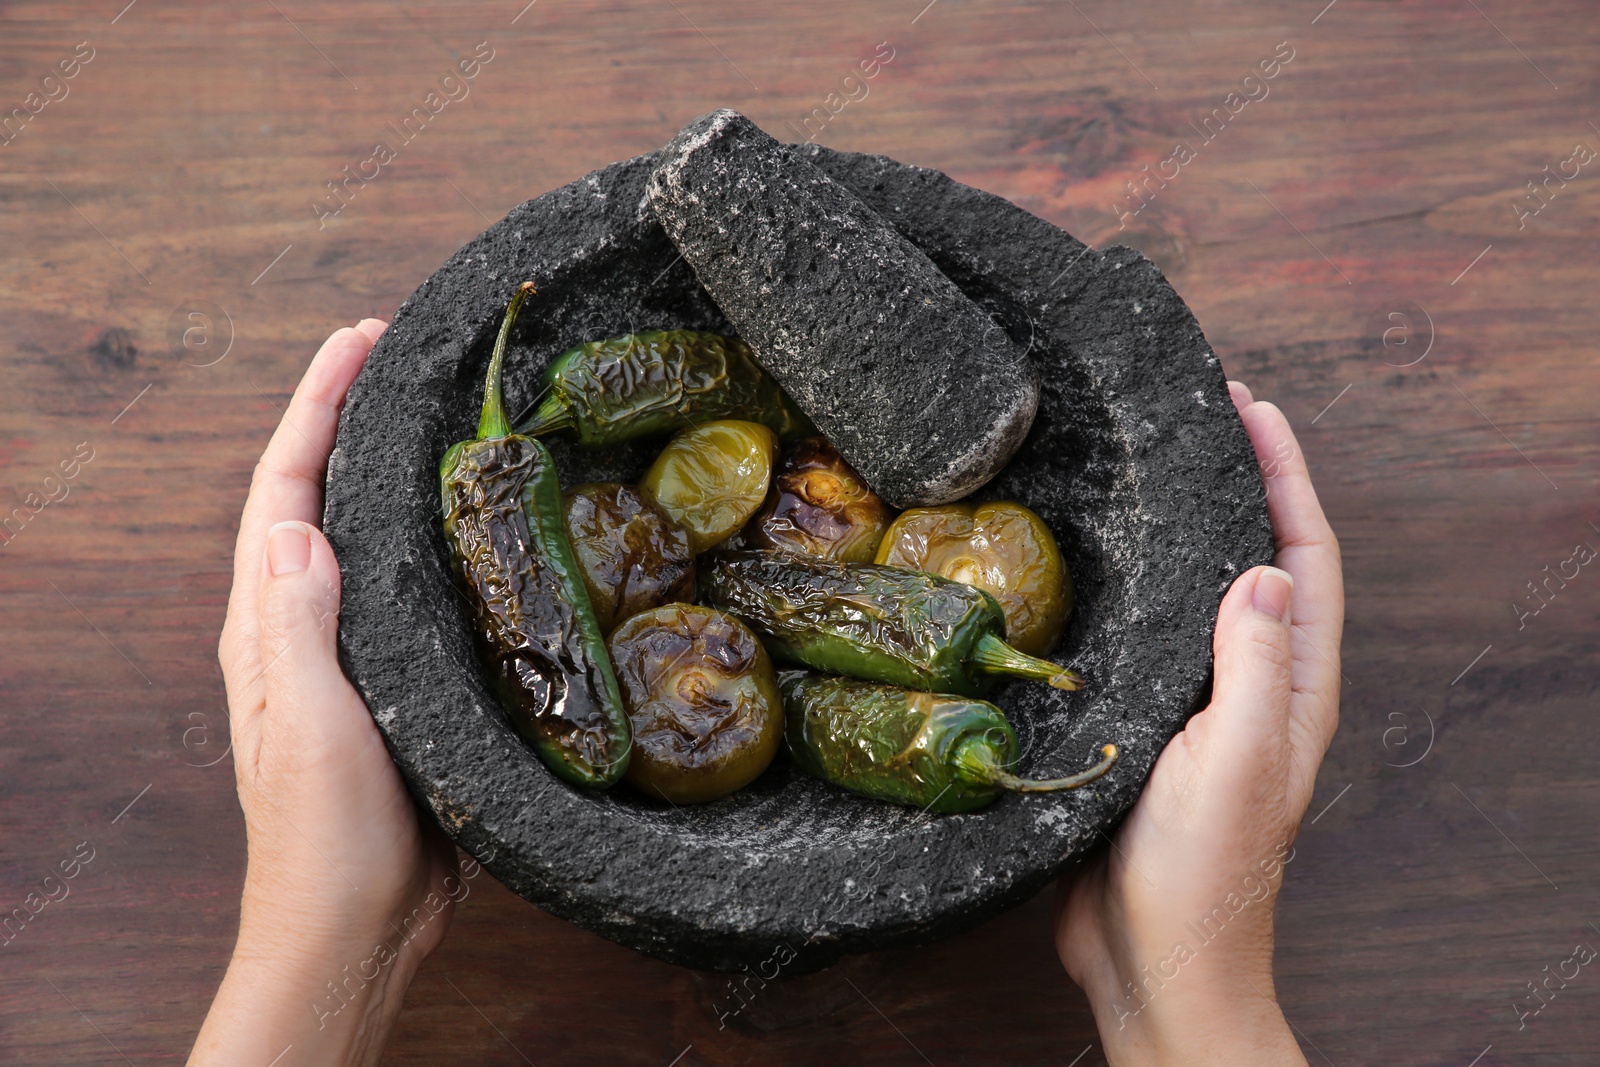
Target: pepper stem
492,423
978,762
994,655
553,413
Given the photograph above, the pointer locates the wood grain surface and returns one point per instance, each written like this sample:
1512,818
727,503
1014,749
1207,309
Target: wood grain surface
1350,241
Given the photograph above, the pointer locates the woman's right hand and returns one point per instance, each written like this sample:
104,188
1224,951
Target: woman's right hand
1170,931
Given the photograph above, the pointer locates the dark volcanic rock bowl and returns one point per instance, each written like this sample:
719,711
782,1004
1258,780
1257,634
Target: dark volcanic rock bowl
1137,461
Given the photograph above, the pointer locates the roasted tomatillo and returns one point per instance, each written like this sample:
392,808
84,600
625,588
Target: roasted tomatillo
933,751
711,478
819,506
509,550
1002,548
703,701
633,556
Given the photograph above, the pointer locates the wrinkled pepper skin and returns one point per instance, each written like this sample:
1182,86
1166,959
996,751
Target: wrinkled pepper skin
881,624
893,744
938,752
508,546
657,381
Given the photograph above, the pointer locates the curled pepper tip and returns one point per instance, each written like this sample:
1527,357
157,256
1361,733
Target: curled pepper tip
1068,680
1108,753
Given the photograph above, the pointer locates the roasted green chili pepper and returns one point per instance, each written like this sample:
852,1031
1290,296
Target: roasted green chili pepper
657,381
940,753
703,700
509,548
883,624
1000,547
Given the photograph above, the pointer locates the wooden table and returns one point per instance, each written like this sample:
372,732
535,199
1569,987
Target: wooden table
1351,242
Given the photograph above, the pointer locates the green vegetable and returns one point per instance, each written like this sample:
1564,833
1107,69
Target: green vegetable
536,627
658,381
940,753
883,624
711,478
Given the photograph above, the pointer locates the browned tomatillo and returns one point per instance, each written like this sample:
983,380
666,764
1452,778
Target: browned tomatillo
819,506
633,556
1003,549
702,699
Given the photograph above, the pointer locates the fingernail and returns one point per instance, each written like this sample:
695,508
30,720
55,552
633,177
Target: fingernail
288,549
1272,591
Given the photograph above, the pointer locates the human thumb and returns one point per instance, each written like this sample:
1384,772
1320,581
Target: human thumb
1254,657
299,620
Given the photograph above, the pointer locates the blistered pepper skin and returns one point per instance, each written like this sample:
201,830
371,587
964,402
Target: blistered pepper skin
535,626
881,624
658,381
892,744
939,752
1002,548
702,699
819,506
633,556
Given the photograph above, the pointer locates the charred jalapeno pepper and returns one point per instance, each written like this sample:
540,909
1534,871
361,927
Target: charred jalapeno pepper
703,700
633,556
819,506
657,381
941,753
1003,549
509,547
882,624
711,478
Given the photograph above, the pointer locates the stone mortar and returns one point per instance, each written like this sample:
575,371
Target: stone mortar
1137,461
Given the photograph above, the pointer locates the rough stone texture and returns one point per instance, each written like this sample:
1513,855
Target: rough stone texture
1137,461
919,389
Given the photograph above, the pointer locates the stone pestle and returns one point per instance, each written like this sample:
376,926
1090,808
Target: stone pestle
916,385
